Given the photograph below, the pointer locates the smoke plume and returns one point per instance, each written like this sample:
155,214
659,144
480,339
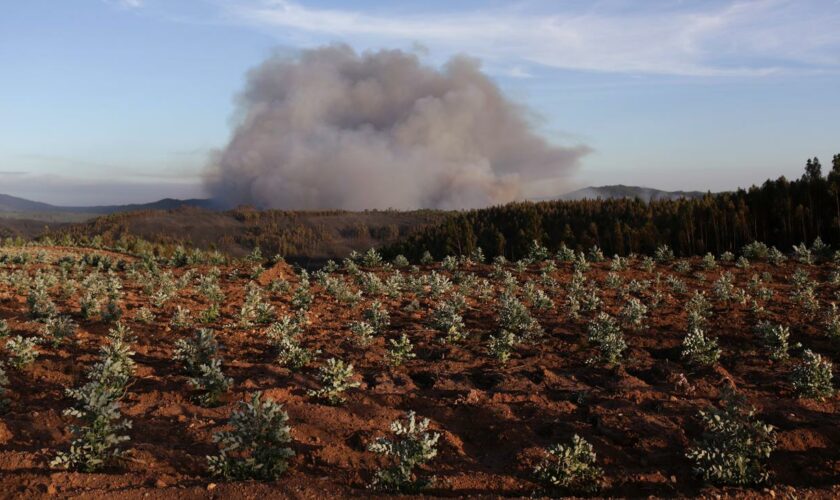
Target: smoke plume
335,129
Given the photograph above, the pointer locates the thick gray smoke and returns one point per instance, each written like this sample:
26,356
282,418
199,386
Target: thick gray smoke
336,129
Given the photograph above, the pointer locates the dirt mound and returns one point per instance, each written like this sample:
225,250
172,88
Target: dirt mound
279,271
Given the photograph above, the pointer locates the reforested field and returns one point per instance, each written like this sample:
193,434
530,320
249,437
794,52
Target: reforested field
188,374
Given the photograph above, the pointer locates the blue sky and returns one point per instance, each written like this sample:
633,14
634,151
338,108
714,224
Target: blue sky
121,101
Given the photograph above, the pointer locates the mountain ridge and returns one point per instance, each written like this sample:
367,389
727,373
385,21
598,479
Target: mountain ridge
615,191
9,203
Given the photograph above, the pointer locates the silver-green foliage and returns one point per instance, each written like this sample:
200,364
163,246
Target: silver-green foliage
98,433
700,349
571,467
377,317
501,345
775,338
284,336
605,333
399,350
734,445
412,446
59,328
255,447
634,313
211,381
40,304
363,333
446,318
335,377
515,318
811,378
196,351
22,351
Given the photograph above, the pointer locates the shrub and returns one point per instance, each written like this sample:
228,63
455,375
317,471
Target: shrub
682,266
371,258
211,381
664,254
537,252
144,315
565,254
775,338
633,313
255,446
571,468
606,334
538,298
613,280
449,263
400,261
181,318
302,297
4,329
803,254
363,333
40,304
755,250
699,349
618,263
335,376
255,309
501,345
21,351
377,317
580,263
411,447
776,257
283,335
832,323
196,351
447,320
811,378
399,350
97,437
698,310
724,287
59,328
477,255
734,445
595,254
426,258
111,311
515,318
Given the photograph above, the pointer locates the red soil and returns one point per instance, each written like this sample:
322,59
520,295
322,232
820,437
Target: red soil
494,419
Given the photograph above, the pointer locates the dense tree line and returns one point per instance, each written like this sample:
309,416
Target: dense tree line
780,213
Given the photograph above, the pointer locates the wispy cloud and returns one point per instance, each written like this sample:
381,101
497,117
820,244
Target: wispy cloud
126,4
694,38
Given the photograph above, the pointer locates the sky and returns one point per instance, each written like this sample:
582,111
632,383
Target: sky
122,101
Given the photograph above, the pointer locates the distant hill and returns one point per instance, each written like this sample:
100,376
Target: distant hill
12,206
300,236
15,204
621,191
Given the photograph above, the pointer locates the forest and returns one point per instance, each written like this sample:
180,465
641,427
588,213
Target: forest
780,213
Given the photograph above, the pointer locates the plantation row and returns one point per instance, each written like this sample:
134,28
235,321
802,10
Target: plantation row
497,312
